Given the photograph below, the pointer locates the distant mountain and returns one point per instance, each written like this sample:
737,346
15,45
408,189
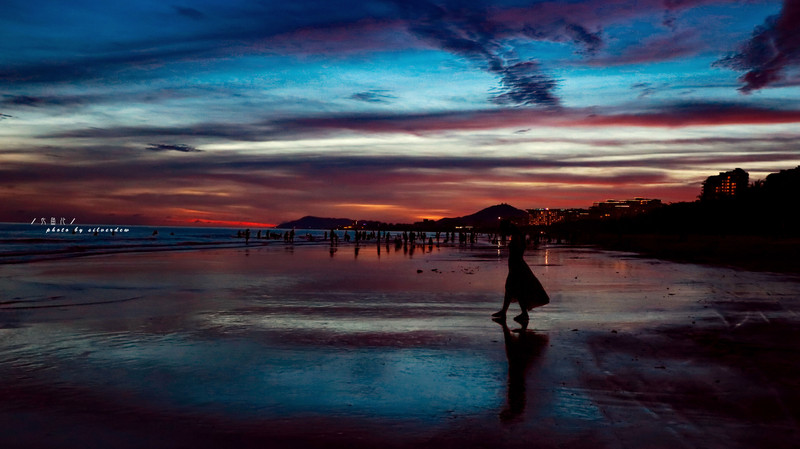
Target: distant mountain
486,218
310,222
489,217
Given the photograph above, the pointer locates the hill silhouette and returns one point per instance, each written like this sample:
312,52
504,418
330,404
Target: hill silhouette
310,222
486,218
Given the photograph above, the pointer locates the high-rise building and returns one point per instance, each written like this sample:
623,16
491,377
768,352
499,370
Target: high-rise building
725,185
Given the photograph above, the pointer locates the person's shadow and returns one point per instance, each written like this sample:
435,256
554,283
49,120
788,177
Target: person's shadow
523,348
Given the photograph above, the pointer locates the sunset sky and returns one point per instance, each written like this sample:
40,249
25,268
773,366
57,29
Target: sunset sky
221,112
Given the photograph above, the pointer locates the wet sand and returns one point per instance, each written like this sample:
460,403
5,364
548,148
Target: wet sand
294,346
748,252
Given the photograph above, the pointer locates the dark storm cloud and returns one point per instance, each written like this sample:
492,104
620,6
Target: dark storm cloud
172,147
774,47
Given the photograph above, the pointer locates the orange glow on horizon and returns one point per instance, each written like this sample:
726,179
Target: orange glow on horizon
430,217
230,223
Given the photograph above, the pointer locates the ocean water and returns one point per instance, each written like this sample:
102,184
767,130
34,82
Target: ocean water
20,242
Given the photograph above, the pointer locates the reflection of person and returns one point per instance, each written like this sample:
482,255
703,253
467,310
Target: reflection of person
521,285
522,348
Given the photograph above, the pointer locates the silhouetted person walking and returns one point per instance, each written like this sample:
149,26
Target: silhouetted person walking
521,285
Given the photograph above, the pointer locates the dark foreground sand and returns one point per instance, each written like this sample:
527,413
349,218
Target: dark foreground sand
298,347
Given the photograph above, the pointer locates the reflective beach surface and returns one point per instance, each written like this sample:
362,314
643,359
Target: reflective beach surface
312,346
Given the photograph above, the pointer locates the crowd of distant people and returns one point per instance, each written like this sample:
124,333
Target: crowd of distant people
358,236
389,238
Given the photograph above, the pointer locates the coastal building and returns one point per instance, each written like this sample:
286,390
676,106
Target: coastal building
784,185
725,185
548,217
543,216
623,208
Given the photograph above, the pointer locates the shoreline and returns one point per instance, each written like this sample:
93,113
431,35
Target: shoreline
757,254
751,253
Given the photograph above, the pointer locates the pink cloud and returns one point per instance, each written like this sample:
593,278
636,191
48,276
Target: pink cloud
773,48
709,114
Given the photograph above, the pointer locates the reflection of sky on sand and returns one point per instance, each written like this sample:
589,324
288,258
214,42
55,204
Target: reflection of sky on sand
241,378
266,334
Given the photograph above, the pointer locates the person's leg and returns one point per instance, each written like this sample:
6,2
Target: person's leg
522,318
506,303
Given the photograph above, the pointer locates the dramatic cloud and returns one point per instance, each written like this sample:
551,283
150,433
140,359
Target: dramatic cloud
645,89
241,132
21,100
97,67
525,84
272,188
655,49
580,35
168,147
484,33
472,35
106,97
773,48
691,114
666,116
48,100
396,108
373,96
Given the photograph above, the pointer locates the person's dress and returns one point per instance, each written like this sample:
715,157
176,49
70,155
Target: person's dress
521,284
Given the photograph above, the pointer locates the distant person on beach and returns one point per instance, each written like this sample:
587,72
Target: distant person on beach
521,285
